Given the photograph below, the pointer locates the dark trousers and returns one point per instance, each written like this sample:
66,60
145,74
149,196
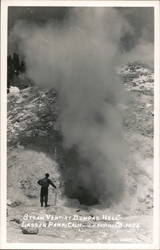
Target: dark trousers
44,196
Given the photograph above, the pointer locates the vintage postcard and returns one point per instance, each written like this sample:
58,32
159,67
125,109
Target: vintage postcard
80,124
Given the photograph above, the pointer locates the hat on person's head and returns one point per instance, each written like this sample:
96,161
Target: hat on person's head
47,175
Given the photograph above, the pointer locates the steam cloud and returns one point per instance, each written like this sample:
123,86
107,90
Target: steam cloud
78,58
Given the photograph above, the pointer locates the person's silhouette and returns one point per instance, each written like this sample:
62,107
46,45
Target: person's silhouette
44,183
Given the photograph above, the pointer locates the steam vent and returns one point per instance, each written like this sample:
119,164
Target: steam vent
80,124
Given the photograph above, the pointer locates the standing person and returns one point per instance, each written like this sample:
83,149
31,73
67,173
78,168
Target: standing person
44,183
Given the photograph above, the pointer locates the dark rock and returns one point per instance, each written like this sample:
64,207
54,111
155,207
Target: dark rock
29,230
13,203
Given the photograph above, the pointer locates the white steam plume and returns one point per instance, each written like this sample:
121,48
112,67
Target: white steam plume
78,58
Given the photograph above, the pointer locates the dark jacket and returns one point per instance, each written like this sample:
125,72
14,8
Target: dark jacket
45,182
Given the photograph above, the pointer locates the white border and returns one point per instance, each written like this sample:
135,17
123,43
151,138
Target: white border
156,218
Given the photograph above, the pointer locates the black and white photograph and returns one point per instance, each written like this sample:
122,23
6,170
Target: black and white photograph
80,131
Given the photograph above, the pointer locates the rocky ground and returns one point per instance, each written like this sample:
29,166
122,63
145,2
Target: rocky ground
33,143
